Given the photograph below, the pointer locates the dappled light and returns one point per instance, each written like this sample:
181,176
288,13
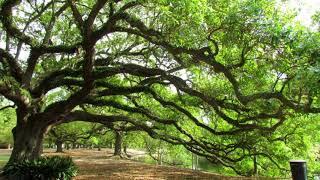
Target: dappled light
197,86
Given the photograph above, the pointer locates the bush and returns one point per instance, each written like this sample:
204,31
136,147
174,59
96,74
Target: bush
43,168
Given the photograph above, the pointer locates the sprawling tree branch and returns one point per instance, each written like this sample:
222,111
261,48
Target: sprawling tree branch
109,55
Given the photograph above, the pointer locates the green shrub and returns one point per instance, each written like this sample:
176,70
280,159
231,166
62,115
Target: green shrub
43,168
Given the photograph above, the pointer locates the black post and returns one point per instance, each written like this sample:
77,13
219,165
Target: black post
298,169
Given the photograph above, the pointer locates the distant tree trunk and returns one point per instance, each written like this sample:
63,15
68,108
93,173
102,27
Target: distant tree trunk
118,143
125,148
255,165
74,145
159,154
195,161
59,145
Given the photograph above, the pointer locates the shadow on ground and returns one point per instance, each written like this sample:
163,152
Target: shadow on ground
102,165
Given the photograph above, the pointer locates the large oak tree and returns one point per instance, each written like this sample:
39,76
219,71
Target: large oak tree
209,75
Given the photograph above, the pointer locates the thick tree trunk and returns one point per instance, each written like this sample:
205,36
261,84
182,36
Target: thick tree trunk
118,144
59,145
28,139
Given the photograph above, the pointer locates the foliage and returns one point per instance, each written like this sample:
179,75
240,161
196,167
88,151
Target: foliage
228,80
53,167
7,122
164,153
72,132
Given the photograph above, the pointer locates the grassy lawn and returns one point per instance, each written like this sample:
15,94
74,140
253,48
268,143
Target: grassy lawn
3,160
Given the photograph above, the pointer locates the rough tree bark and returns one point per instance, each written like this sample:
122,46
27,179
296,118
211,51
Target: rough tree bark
28,137
59,145
118,144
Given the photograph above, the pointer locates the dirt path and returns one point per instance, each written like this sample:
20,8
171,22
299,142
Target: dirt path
101,165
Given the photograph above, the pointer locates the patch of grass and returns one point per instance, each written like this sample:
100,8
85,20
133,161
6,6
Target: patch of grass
2,164
3,160
4,157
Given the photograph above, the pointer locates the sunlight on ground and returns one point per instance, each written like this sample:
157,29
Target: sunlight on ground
101,165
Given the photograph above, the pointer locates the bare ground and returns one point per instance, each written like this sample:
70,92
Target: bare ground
98,165
101,165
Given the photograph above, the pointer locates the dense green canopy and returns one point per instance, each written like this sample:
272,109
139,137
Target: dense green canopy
218,77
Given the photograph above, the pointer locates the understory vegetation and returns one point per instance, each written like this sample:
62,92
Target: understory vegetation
54,167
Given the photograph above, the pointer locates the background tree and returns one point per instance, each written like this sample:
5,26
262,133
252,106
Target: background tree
72,133
164,153
7,122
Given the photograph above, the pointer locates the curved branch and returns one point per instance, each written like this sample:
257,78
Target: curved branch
6,19
15,69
